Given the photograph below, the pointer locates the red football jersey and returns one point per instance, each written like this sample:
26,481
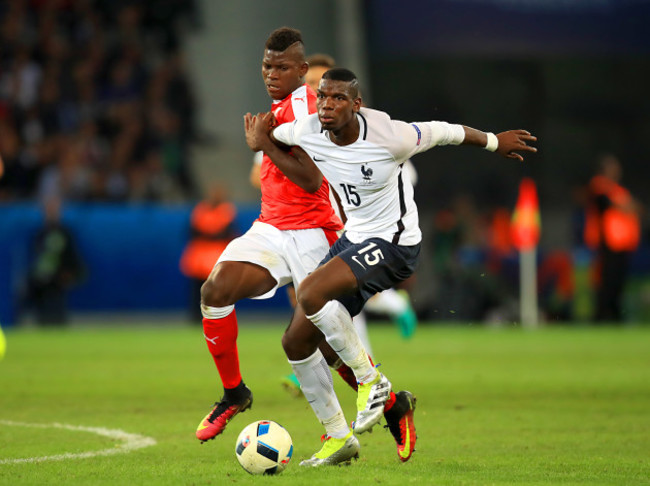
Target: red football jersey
285,205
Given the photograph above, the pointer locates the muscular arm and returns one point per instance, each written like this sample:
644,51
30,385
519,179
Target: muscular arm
510,144
297,166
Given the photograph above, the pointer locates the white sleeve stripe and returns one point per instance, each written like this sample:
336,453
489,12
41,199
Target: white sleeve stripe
299,103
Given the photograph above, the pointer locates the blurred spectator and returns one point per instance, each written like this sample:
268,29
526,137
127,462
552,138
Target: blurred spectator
212,227
466,263
612,228
556,285
95,87
55,268
318,64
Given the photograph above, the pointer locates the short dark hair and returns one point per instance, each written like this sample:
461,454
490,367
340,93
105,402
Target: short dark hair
342,74
321,60
283,38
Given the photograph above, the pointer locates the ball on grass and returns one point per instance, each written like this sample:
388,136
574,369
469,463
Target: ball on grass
264,447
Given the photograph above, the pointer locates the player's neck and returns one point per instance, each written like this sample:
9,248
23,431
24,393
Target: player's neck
347,134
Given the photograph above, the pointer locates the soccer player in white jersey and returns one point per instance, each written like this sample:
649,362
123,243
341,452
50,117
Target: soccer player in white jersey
389,302
360,151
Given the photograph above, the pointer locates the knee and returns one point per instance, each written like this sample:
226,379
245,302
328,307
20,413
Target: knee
309,299
287,344
215,293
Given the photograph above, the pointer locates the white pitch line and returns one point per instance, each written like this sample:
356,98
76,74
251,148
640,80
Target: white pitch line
130,443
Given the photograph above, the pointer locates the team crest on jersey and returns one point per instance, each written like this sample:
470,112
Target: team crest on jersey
367,173
419,133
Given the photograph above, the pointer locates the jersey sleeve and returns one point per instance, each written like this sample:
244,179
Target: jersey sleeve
416,137
258,157
286,133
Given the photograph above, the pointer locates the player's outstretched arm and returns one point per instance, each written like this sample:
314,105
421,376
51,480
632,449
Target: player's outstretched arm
509,143
298,167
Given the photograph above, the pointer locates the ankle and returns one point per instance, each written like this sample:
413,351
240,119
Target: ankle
236,394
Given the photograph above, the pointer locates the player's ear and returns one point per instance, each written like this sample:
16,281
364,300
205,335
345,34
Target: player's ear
304,67
357,104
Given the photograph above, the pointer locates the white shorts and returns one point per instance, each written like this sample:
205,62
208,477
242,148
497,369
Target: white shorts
288,255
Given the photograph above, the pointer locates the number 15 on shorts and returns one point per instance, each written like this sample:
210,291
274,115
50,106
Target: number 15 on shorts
368,255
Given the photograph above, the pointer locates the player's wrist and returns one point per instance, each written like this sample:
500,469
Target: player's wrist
492,142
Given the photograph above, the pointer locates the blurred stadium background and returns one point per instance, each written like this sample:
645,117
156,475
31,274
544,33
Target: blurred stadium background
129,110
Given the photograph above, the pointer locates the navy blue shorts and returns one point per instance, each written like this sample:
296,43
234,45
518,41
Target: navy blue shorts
377,264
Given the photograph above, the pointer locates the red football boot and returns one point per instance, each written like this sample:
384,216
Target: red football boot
215,422
399,420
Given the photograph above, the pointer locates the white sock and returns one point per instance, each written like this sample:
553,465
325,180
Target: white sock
388,302
361,325
336,324
216,312
317,385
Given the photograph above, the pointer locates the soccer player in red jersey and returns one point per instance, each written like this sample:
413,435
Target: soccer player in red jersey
293,232
289,239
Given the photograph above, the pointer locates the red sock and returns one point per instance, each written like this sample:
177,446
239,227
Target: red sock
221,338
347,374
390,402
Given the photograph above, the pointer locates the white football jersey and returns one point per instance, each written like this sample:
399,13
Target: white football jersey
367,175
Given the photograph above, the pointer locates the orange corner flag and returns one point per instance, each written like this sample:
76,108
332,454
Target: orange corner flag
526,226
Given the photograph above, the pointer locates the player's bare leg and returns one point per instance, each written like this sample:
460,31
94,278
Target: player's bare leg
229,282
289,382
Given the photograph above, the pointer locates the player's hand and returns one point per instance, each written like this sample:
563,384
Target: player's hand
266,121
257,130
273,122
514,141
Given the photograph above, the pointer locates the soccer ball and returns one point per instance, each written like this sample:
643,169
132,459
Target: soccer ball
264,447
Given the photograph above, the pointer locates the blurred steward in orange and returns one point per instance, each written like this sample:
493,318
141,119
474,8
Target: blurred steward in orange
612,228
212,227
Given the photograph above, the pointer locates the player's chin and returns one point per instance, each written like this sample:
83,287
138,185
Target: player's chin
276,94
327,123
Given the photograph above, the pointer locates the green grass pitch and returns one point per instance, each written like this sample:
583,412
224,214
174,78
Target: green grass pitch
495,406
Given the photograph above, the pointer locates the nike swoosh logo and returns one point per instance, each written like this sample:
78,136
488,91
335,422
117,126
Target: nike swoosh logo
319,160
407,441
360,264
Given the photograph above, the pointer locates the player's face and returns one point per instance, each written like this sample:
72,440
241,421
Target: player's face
337,104
283,71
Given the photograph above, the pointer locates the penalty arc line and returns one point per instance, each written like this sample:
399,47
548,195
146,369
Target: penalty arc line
130,443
